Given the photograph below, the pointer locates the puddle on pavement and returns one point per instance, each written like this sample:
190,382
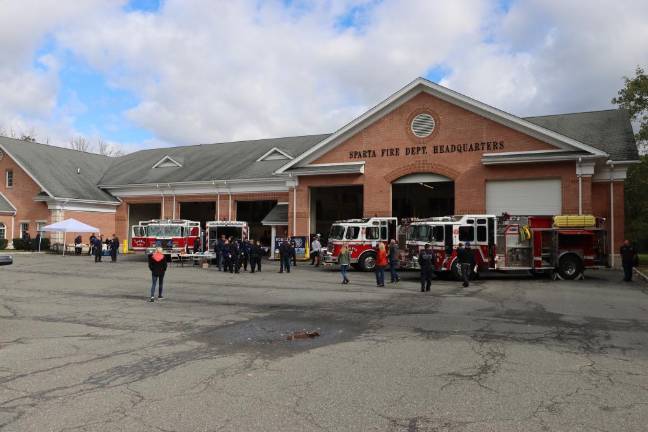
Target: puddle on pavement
269,335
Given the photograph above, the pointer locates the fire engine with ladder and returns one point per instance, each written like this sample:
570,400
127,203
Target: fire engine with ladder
562,245
172,235
361,236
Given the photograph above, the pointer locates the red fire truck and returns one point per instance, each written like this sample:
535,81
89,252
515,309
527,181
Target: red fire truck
361,236
172,235
216,229
560,245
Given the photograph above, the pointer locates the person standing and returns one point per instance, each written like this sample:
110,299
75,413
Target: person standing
235,250
293,252
245,253
158,266
284,256
253,254
220,250
114,247
466,259
196,245
97,249
316,249
426,260
629,260
227,257
77,244
91,243
393,261
26,238
381,263
344,259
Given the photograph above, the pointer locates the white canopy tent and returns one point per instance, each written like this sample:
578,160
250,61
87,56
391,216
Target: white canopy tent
69,225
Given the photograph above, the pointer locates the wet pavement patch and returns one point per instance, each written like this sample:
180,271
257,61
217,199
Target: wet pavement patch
269,335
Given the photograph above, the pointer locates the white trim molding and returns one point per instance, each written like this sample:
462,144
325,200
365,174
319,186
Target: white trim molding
274,150
22,167
165,159
276,184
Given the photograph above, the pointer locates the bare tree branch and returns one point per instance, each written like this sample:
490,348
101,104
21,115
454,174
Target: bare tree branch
80,143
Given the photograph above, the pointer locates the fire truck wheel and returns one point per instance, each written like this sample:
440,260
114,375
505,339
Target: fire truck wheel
367,261
570,266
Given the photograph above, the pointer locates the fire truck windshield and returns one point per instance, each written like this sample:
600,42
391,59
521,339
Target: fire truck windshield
337,232
421,233
164,231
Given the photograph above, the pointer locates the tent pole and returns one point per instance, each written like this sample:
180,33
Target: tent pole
64,236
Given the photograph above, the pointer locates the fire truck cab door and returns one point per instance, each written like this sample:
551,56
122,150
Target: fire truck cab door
392,234
448,236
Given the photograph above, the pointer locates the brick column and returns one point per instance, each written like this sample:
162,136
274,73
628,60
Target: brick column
56,215
298,217
377,198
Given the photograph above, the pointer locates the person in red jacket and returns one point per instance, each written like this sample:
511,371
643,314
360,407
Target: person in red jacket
158,265
381,263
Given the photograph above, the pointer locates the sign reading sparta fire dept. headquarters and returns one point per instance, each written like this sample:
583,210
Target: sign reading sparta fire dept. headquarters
426,150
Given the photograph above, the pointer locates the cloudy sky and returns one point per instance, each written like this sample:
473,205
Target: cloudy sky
145,73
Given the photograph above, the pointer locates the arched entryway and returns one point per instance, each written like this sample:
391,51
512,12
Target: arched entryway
420,195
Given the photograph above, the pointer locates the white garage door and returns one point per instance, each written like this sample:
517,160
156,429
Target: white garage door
524,197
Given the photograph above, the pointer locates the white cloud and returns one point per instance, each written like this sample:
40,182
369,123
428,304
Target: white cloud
206,71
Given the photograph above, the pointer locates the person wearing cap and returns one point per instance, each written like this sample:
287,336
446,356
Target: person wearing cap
466,259
426,260
316,249
158,266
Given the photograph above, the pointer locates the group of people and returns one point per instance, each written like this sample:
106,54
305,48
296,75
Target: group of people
389,257
233,254
95,246
29,243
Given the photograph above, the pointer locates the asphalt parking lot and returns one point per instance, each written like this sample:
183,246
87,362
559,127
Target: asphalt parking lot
81,349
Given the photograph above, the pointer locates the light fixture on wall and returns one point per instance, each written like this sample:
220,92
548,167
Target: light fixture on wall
427,186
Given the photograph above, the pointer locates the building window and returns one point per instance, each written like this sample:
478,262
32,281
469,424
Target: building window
40,225
24,226
9,178
3,231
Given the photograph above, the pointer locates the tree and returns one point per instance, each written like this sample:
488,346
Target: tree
103,148
634,97
80,143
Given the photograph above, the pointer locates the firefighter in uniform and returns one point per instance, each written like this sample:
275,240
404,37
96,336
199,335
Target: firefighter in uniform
629,259
226,256
235,250
466,259
426,261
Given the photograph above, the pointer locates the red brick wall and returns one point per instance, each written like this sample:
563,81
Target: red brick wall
22,197
454,126
104,221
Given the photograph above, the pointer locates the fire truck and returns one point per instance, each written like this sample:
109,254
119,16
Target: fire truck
216,229
562,245
361,236
172,235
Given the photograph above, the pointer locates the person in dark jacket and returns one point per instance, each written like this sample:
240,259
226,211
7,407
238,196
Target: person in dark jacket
293,253
219,248
196,245
235,250
466,259
158,266
628,259
285,256
114,247
255,256
77,245
98,248
245,254
426,260
91,243
392,255
226,256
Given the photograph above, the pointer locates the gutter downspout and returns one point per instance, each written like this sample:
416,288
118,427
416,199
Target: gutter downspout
611,164
580,186
217,202
162,195
294,227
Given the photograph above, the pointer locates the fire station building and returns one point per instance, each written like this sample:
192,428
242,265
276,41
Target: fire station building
424,151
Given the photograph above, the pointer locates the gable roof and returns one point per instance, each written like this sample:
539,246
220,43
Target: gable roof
275,154
205,162
607,130
421,85
6,206
54,169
